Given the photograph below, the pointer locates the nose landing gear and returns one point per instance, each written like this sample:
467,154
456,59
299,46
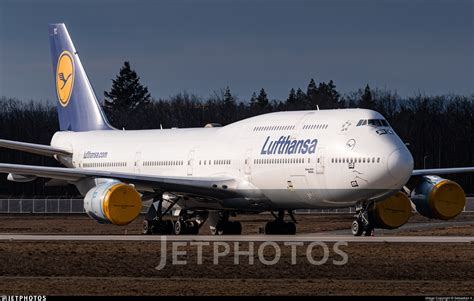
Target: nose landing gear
364,222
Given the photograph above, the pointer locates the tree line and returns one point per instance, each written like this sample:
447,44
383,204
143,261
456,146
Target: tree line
437,129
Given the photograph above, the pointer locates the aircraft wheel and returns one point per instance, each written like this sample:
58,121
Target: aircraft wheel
179,227
168,227
227,228
270,228
193,228
357,228
220,228
235,228
146,229
291,228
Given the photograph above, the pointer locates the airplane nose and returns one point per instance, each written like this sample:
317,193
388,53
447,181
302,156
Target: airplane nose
400,165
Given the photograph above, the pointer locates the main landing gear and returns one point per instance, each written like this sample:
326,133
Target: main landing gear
187,223
221,225
364,222
279,226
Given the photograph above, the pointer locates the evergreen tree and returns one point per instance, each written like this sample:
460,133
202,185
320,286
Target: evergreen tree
126,98
229,107
229,99
296,100
312,91
366,99
262,100
291,100
328,97
312,95
253,100
301,98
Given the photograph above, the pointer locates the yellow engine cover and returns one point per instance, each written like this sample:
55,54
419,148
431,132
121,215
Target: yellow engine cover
393,212
121,204
447,199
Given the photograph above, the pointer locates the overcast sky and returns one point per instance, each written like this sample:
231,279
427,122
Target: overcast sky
201,46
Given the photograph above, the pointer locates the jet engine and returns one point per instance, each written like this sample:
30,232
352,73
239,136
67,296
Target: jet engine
113,203
435,197
392,212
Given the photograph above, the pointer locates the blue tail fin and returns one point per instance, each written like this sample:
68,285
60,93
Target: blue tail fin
78,108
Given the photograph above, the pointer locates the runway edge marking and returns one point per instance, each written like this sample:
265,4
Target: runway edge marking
243,238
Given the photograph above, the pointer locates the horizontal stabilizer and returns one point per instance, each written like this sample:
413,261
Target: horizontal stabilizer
39,149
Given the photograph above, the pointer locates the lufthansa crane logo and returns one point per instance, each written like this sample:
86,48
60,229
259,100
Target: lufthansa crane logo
64,77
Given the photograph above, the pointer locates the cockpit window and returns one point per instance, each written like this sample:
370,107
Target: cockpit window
373,122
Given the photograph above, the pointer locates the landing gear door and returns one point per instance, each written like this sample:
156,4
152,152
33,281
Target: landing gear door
190,162
320,161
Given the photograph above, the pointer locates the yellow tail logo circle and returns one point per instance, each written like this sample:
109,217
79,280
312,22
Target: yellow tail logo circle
64,77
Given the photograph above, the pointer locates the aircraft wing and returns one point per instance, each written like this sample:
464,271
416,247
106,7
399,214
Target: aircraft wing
214,187
39,149
441,171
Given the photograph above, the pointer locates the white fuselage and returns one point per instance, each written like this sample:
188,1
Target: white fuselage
287,160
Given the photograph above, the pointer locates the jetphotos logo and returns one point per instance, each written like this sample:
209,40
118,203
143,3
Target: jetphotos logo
287,146
23,298
251,252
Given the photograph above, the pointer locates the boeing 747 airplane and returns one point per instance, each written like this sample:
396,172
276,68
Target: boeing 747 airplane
276,162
